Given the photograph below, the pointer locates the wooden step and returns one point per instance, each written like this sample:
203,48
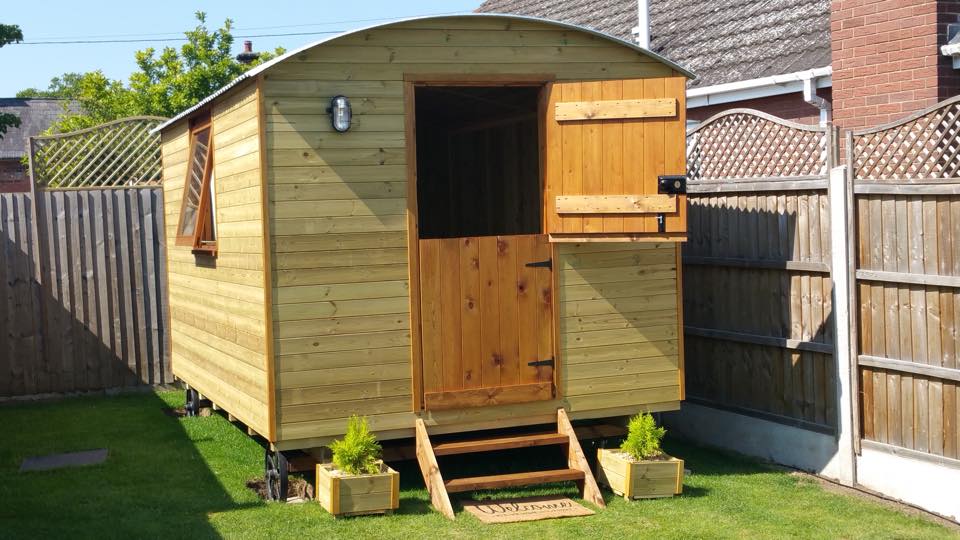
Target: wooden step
499,443
498,481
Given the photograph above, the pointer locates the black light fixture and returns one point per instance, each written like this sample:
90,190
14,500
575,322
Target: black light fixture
340,113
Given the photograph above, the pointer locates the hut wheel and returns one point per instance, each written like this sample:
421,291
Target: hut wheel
192,406
276,475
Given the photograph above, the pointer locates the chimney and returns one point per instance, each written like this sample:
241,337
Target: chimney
642,30
247,56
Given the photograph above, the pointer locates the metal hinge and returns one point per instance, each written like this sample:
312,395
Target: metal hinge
661,223
536,363
541,264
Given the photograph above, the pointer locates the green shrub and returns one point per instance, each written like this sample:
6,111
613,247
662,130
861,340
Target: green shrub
359,450
643,437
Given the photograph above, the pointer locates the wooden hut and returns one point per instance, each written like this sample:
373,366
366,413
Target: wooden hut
494,238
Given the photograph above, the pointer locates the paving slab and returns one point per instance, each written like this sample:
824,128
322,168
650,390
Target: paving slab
61,461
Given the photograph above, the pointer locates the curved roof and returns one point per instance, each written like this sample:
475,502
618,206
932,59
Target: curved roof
267,65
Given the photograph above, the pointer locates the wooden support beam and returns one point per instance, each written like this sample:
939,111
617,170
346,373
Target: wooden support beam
578,238
769,341
904,366
616,204
907,278
760,184
733,262
616,109
576,460
431,472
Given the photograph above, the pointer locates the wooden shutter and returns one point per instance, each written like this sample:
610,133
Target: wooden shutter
606,144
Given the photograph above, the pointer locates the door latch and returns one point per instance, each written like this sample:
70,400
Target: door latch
541,264
537,363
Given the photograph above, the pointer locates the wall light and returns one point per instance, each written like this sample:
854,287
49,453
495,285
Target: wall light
340,113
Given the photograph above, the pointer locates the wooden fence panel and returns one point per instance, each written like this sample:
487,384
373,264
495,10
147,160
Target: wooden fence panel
757,289
84,291
906,202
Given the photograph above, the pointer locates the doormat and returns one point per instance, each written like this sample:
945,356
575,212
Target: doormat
526,509
59,461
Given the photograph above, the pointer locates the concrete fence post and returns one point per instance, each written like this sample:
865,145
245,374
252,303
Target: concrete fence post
839,273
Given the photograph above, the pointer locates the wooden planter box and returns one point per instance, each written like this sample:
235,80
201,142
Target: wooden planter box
639,479
360,494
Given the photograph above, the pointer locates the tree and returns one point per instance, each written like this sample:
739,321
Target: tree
9,33
164,84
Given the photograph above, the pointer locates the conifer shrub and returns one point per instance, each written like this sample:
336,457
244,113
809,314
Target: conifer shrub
358,452
643,437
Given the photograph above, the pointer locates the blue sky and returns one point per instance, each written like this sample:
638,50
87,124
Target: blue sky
33,65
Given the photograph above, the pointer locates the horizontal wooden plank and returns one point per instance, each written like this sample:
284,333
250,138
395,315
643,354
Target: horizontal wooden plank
369,374
771,264
344,392
499,443
615,204
614,109
325,242
579,238
907,189
483,397
769,341
909,278
467,55
759,185
905,366
341,308
339,359
458,485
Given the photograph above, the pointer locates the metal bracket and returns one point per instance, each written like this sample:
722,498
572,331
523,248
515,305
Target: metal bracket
661,223
537,363
541,264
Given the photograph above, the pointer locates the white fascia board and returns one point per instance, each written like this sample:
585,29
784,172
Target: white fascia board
775,85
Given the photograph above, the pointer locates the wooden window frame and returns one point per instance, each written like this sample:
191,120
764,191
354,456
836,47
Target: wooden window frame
195,240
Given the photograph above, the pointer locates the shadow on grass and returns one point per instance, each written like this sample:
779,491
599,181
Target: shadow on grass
154,482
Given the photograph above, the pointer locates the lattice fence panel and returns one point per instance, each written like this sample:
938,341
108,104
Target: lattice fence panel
123,153
926,146
746,144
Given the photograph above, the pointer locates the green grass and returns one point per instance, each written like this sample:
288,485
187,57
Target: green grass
170,478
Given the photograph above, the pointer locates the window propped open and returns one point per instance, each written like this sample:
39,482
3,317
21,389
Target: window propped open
198,228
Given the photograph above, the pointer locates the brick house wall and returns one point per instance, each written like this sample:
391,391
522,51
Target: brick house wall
886,58
13,176
786,106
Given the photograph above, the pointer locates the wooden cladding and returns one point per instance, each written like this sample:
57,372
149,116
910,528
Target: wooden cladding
616,204
619,159
486,315
616,109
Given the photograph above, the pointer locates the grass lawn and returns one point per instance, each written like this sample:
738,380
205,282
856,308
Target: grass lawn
184,478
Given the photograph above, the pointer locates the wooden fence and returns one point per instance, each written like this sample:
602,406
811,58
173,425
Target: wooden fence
905,188
82,271
757,286
85,292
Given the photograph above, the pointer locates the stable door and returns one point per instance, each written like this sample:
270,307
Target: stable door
486,306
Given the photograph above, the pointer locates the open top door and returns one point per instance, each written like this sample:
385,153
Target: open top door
614,158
